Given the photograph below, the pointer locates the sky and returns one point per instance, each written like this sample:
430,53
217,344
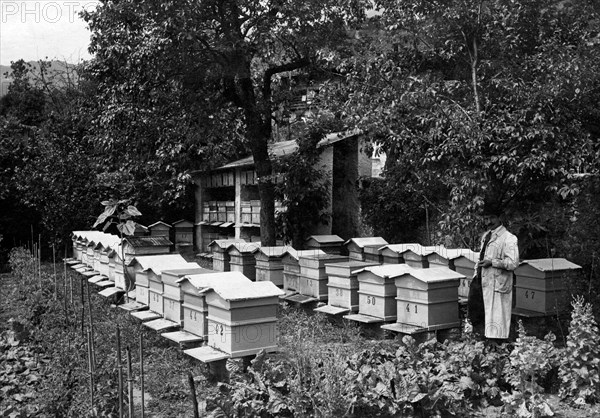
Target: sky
36,29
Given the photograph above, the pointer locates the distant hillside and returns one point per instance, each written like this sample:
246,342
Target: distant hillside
57,72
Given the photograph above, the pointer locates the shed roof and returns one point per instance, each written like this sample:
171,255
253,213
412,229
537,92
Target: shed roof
158,224
367,241
148,241
280,149
551,264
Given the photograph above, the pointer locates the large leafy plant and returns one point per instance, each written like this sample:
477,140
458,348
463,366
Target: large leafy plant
119,212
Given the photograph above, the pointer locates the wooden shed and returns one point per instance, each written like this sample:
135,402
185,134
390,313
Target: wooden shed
269,264
241,258
291,267
195,309
464,263
242,317
427,299
394,253
342,285
218,248
377,293
160,229
313,278
541,285
331,244
356,247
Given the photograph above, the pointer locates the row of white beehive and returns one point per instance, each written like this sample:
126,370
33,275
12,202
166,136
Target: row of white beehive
235,315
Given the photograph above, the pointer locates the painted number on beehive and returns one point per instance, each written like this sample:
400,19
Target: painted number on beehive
193,315
339,292
528,293
408,308
219,329
370,300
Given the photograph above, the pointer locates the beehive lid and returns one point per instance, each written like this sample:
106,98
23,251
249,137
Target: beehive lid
387,270
138,242
160,262
182,223
232,291
367,241
196,269
468,254
208,280
450,253
550,264
296,254
402,248
273,252
424,251
433,275
243,247
325,239
160,225
223,244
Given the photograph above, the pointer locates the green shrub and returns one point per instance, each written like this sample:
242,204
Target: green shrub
579,371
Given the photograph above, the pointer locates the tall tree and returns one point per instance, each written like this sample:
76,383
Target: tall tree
216,64
492,98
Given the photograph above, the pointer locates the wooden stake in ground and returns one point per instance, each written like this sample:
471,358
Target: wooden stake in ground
142,372
129,383
82,309
40,259
55,278
90,366
91,321
193,395
120,370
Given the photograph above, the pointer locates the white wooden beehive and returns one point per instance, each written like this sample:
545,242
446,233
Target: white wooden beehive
464,264
377,290
342,283
291,267
241,258
172,292
356,247
331,244
394,253
541,284
428,298
269,265
195,309
218,248
313,279
242,318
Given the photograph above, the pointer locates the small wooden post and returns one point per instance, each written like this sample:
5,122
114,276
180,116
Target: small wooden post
129,383
142,372
120,370
82,308
90,367
40,259
193,397
55,278
91,321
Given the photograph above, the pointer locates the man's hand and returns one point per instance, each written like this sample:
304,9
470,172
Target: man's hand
484,263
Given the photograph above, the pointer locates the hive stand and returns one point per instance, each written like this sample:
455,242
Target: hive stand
427,300
541,287
357,247
342,286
